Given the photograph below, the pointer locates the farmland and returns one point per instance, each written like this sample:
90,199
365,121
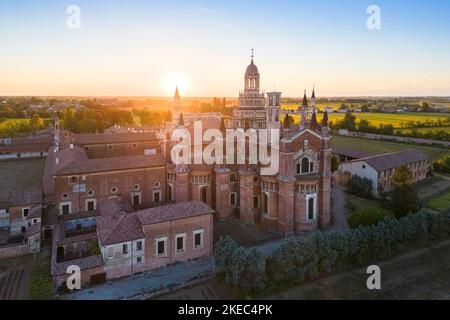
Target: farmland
424,130
376,147
398,120
13,122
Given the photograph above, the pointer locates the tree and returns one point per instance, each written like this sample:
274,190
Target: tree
367,216
334,163
404,198
349,122
442,165
426,107
359,186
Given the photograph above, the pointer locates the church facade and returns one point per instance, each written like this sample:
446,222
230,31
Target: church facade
295,199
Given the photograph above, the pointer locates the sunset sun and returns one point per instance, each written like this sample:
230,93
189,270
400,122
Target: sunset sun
173,80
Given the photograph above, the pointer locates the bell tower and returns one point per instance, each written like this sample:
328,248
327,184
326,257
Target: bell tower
252,76
176,107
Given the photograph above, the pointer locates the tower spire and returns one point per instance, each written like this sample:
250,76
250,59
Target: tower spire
253,54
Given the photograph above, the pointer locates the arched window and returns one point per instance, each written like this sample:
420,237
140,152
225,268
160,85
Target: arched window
305,165
311,209
169,192
265,203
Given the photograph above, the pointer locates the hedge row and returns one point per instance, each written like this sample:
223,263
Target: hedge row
309,258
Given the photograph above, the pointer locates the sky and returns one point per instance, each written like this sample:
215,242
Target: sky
145,48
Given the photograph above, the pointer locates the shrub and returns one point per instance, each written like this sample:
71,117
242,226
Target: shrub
360,186
442,165
305,259
243,270
367,217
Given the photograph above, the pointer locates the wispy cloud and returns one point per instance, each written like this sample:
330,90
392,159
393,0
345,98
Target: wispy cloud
204,9
212,13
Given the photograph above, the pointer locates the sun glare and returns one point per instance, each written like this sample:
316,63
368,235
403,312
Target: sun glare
174,80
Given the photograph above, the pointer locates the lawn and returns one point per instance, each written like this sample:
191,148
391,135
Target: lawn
440,202
377,147
423,274
40,283
354,202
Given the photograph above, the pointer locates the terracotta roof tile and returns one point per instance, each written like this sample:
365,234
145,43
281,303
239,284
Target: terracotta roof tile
393,160
112,164
111,138
115,225
26,198
173,212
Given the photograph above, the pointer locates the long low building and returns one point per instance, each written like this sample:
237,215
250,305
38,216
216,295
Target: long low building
381,168
126,242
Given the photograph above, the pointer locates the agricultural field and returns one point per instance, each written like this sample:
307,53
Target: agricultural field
14,122
376,147
441,202
399,121
424,130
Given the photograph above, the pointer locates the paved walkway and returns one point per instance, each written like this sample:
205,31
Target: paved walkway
339,208
147,283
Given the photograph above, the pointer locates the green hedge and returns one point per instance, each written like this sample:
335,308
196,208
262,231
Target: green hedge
309,258
367,216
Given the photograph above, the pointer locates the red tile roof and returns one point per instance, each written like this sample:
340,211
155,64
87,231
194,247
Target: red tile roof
35,212
394,160
111,138
115,225
64,156
351,153
34,229
112,164
24,198
173,212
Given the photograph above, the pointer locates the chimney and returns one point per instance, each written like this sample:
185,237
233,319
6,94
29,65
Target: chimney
71,146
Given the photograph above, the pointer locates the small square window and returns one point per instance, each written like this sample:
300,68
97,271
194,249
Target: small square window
139,260
198,239
125,249
90,206
65,209
180,241
73,180
161,247
139,246
156,196
25,212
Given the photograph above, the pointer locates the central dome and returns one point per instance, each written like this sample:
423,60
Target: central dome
252,68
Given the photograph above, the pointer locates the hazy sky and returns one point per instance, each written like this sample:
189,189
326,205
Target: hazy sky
132,47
